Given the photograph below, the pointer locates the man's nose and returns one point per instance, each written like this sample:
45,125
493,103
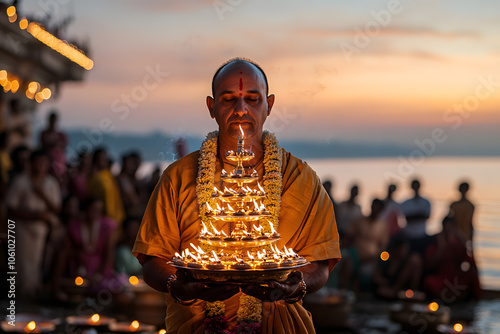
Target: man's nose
241,107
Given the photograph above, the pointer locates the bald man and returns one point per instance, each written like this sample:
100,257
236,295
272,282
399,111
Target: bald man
240,98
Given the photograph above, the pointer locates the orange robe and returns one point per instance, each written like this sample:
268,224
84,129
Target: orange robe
306,224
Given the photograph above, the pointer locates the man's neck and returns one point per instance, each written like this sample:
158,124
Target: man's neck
254,144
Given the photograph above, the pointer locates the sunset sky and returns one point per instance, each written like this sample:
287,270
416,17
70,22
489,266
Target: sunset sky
380,71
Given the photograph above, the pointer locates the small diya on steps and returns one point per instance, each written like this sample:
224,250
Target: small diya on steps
130,327
94,320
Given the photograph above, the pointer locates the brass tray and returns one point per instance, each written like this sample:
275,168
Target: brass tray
233,276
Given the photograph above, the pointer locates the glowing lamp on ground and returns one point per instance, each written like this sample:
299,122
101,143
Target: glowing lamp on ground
7,86
46,93
15,86
134,326
409,293
39,97
384,256
33,87
433,307
13,18
95,319
162,331
30,327
458,327
78,281
133,280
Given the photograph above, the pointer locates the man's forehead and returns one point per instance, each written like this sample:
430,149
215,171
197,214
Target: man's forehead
235,71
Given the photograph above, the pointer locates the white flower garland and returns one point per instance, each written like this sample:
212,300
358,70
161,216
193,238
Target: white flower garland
250,308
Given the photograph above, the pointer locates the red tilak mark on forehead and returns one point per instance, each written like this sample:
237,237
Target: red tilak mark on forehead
241,84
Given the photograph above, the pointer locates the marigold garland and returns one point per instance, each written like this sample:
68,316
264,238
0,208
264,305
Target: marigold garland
250,310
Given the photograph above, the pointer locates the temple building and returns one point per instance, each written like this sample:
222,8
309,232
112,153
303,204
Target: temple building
34,62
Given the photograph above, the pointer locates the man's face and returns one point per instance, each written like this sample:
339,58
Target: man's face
240,100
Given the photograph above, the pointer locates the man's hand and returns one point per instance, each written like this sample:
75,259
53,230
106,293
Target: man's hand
275,290
185,288
156,272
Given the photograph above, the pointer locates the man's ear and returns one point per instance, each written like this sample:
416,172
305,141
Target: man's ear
210,105
270,103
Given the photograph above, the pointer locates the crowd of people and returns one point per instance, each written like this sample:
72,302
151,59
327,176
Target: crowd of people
94,216
70,220
389,251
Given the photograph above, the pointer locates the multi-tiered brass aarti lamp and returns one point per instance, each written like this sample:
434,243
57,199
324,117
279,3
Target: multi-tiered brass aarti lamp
241,252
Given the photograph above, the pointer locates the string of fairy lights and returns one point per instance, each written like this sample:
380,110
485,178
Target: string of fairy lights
34,90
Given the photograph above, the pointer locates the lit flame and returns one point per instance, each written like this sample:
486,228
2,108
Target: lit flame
260,255
286,251
215,230
133,280
177,255
188,253
205,230
272,227
260,188
215,256
291,252
255,206
198,249
224,233
162,331
262,207
30,326
134,325
258,229
95,318
218,207
230,208
242,133
78,280
276,250
223,171
250,256
458,327
209,207
433,306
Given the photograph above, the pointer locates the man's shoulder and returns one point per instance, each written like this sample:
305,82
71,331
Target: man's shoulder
185,165
291,161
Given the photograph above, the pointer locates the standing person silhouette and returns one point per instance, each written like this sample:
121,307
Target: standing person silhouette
416,210
348,211
462,212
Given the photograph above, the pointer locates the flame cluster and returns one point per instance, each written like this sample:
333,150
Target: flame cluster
225,174
275,258
63,47
257,232
34,90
